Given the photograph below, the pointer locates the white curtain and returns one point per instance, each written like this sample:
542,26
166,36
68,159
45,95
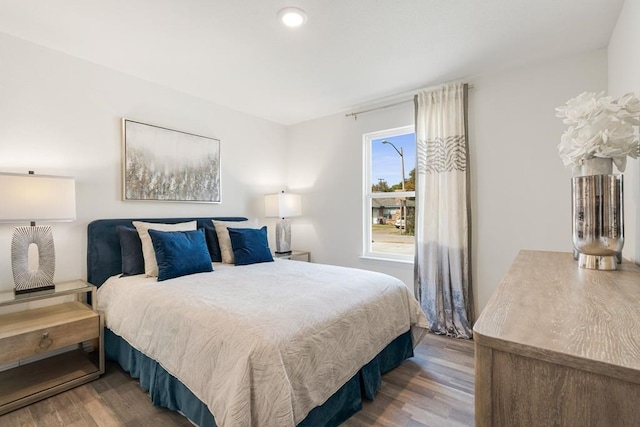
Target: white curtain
442,265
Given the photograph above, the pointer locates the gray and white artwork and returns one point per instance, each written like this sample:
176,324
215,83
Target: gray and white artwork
169,165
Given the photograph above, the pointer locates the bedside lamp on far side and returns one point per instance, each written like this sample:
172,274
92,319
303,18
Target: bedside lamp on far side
30,198
284,206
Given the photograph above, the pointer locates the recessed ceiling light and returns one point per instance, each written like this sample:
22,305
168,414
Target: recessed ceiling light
292,17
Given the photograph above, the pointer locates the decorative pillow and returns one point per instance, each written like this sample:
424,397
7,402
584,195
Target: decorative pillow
179,253
250,245
212,243
130,251
150,264
226,251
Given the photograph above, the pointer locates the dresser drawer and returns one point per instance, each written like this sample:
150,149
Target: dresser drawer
48,329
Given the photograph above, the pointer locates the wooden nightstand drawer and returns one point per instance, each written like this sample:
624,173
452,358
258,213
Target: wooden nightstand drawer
28,333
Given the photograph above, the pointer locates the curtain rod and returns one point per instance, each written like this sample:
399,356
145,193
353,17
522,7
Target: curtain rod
393,104
382,107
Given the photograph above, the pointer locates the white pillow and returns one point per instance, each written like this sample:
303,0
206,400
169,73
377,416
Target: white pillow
149,255
224,241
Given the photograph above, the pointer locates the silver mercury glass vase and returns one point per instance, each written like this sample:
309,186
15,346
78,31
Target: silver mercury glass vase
597,213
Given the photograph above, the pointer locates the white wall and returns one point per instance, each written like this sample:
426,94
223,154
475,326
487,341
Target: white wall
61,116
521,191
624,76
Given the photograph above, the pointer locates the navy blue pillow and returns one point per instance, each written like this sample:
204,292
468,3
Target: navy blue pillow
212,243
180,253
250,245
130,251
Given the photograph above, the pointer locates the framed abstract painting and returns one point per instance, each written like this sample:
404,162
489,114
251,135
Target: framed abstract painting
161,164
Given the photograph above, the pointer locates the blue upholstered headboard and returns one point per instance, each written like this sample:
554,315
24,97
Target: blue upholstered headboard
103,245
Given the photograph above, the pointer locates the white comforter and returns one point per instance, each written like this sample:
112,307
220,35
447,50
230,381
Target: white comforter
261,345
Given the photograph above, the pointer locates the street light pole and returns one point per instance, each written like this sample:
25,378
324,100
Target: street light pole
403,209
402,164
401,154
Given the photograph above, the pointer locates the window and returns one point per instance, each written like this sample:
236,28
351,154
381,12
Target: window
389,192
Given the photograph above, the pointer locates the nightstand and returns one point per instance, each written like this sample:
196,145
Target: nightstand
295,256
35,333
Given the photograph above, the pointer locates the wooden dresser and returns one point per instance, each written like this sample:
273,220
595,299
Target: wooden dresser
559,346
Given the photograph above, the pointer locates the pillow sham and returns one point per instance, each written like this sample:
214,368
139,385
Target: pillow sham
179,253
212,242
226,251
130,251
150,263
250,246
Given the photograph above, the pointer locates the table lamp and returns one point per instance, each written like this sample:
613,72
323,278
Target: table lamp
31,198
284,206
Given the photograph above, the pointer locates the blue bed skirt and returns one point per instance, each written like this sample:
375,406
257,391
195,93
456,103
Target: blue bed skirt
167,391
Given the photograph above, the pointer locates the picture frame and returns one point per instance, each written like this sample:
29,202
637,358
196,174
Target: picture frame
161,164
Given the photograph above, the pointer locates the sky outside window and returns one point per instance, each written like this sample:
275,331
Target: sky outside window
385,161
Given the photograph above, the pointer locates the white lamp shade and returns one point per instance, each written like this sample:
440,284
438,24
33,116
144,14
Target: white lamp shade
37,198
282,205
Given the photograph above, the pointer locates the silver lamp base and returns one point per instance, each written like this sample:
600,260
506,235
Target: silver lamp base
283,236
30,278
597,262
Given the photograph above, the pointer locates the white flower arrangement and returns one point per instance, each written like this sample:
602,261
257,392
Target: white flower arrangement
599,126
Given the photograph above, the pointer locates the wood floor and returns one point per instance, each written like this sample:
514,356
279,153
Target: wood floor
434,388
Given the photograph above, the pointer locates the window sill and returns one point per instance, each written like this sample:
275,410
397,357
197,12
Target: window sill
392,262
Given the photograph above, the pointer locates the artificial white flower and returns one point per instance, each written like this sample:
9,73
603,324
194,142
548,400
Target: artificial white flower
599,126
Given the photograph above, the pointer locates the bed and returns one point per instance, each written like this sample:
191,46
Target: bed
273,343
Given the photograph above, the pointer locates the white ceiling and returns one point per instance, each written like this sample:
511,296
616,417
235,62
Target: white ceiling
350,52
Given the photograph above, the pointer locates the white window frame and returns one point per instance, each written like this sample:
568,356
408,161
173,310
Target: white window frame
368,195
